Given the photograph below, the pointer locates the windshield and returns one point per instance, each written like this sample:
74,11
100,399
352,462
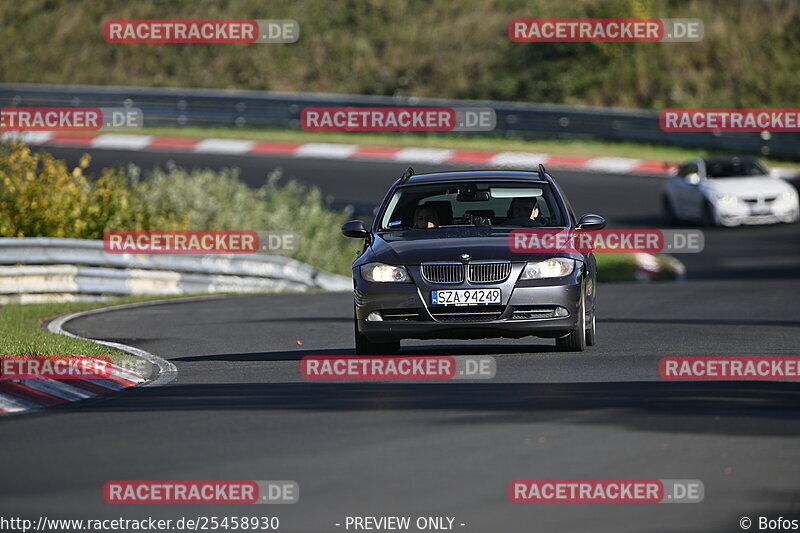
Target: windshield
497,204
734,169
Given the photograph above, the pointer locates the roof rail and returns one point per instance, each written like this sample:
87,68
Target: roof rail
407,173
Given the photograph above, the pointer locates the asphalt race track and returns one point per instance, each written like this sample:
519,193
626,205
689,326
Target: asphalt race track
239,408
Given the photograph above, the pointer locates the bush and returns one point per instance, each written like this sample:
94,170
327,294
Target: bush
220,200
41,197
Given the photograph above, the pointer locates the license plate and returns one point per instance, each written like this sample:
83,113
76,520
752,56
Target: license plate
466,297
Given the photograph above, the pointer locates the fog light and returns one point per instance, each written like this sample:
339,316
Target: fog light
374,317
561,311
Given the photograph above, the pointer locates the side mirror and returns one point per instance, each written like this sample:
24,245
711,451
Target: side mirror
355,229
591,222
693,178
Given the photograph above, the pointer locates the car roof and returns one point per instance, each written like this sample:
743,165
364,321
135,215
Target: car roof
475,175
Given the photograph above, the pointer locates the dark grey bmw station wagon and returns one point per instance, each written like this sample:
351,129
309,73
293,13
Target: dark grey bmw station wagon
437,264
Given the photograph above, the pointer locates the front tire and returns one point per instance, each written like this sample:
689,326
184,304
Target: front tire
591,333
576,340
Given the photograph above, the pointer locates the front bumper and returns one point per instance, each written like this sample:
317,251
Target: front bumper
750,215
543,308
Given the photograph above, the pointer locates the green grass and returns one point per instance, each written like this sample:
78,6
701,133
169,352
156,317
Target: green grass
587,148
21,331
749,56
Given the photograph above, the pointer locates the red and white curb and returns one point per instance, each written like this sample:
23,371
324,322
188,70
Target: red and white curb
516,160
24,394
18,396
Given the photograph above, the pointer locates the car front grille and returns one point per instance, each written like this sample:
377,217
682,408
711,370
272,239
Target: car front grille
484,272
767,200
483,313
443,272
489,272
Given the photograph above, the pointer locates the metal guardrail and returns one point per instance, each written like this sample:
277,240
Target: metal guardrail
268,109
46,269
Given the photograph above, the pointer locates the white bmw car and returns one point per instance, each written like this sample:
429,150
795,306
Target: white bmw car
728,191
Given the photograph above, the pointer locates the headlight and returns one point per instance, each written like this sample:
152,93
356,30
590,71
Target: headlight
728,200
380,272
788,195
551,268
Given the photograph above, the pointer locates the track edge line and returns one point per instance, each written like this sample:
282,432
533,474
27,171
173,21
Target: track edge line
167,371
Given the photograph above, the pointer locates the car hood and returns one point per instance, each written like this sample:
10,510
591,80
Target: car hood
747,187
422,246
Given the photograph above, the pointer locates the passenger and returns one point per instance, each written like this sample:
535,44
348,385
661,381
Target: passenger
425,217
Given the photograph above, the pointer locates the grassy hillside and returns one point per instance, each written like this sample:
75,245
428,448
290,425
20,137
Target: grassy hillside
750,55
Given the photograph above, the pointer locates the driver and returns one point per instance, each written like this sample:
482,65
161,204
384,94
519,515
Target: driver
425,217
524,212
